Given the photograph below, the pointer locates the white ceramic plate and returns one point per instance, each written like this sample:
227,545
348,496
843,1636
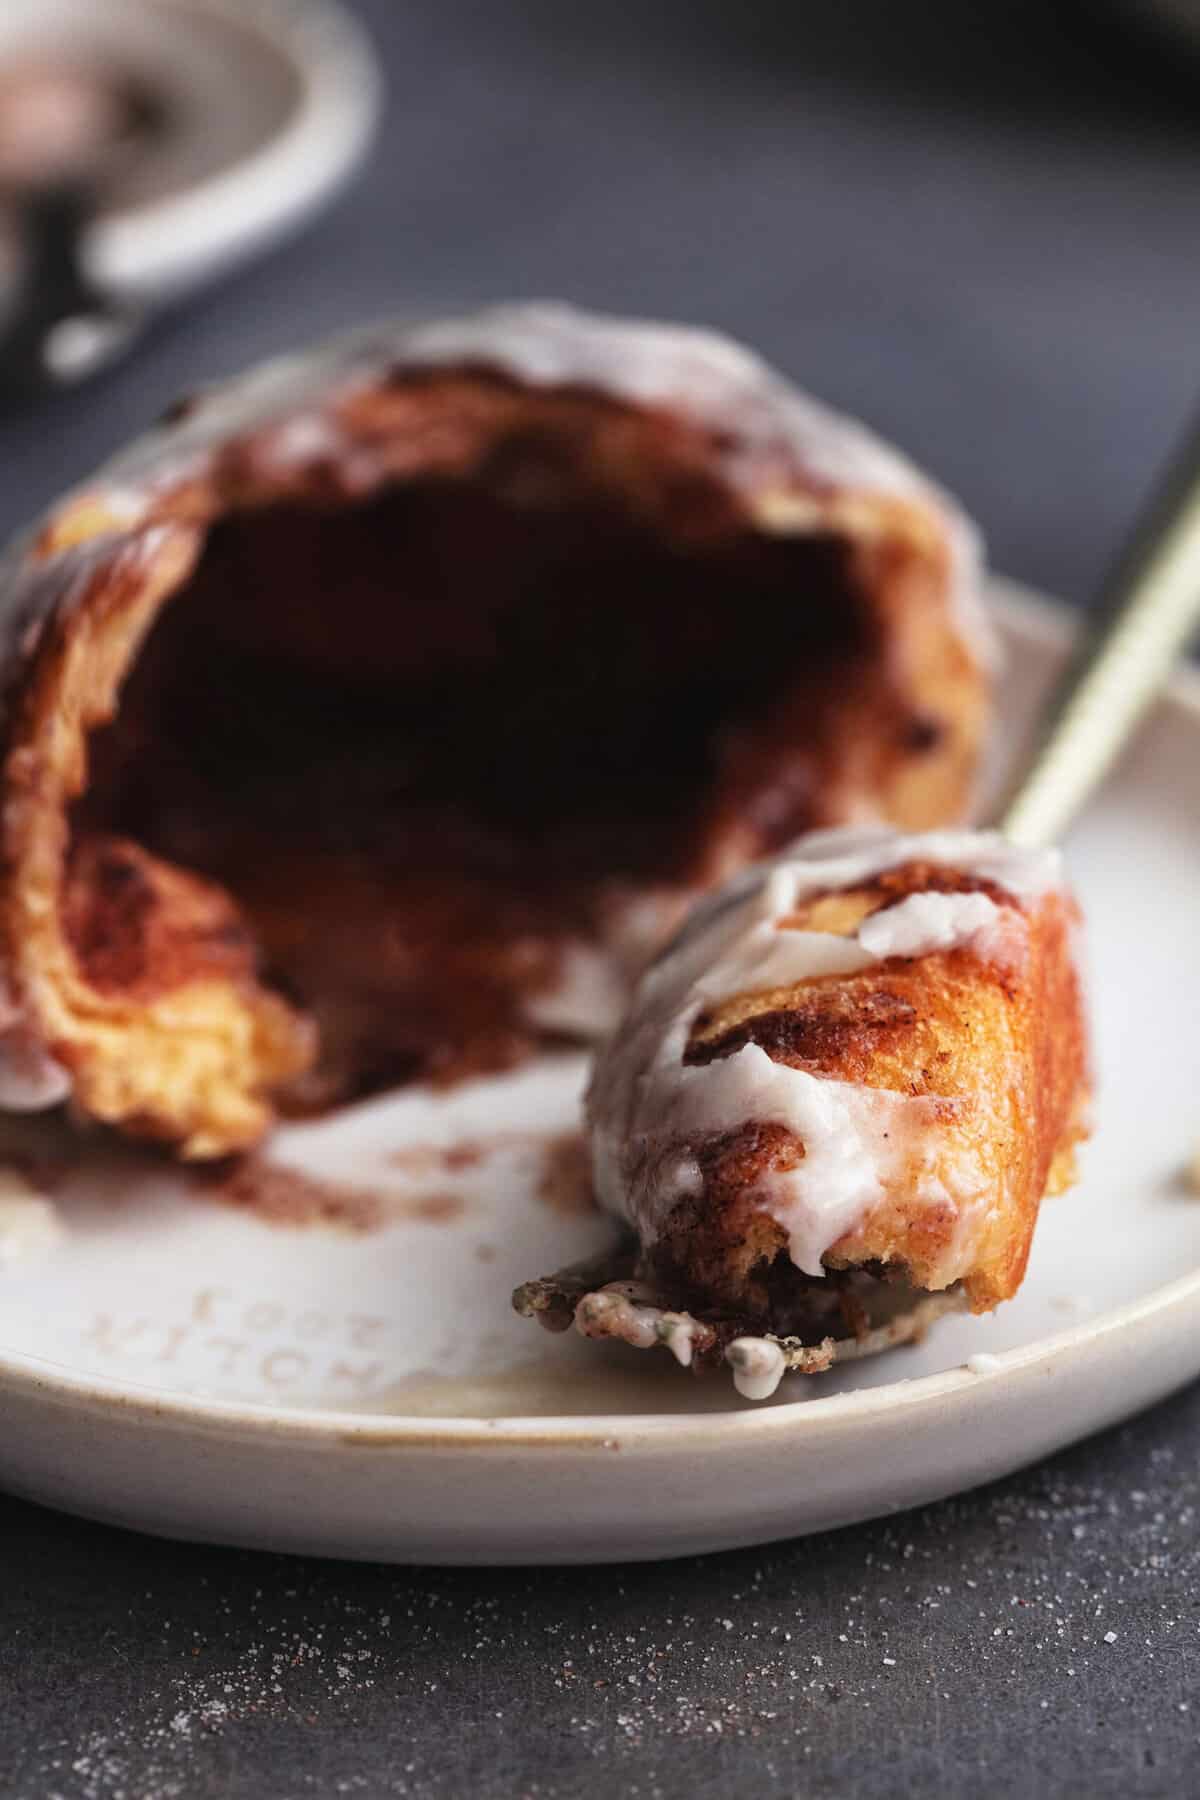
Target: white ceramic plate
188,1368
267,107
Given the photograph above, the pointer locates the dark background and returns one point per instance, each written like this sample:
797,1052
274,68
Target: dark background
977,225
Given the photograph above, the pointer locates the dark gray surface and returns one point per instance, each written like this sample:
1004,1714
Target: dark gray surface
977,225
962,1649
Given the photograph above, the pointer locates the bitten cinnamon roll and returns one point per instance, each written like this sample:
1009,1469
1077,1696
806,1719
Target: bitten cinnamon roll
374,718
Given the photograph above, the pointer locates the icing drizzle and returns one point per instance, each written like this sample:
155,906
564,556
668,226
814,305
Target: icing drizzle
648,1108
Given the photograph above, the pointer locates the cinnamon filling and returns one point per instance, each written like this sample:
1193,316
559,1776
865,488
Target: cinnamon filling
403,744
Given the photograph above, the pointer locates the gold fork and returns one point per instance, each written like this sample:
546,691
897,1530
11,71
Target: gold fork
1145,616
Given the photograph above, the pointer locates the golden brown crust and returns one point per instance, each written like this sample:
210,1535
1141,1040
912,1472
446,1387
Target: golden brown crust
1000,1046
195,1047
192,1058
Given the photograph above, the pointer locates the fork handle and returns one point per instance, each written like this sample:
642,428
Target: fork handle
1145,616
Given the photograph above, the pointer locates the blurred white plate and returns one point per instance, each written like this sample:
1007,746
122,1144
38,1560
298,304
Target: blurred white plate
267,107
190,1369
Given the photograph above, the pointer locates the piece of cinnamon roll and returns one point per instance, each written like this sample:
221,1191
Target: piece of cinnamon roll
837,1100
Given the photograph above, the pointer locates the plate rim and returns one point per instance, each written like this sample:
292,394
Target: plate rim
1047,622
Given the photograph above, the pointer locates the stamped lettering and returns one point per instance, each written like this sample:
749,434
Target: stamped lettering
232,1338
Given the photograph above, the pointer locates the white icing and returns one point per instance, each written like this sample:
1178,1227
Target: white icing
678,1333
856,1140
648,1108
626,1310
612,1314
984,1363
927,922
770,958
758,1366
844,855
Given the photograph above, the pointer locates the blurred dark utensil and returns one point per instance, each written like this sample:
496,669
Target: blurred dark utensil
60,327
64,132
